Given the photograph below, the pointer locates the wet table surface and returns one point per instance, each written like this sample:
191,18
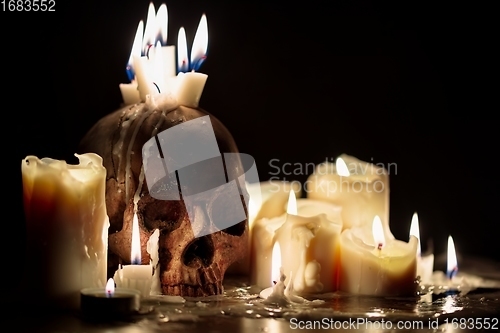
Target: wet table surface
241,310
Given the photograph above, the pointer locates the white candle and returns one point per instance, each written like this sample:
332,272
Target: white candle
361,188
280,293
425,263
190,85
144,77
130,91
135,276
276,293
271,199
272,195
156,69
373,264
309,247
190,88
67,227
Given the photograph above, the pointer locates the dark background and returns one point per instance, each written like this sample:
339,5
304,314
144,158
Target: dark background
404,82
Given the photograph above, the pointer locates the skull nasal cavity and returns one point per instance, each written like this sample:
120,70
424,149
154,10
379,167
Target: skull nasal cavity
199,253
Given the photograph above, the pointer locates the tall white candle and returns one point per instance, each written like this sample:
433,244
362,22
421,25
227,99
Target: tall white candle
167,51
373,264
67,227
361,188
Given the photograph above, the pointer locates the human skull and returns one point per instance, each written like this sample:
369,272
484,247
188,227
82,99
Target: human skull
189,265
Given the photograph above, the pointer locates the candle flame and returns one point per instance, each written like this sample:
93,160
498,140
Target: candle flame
110,287
452,264
200,44
161,22
341,167
415,231
182,52
150,30
276,263
378,233
136,50
292,204
135,252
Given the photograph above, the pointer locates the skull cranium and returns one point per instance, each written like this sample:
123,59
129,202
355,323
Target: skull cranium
189,265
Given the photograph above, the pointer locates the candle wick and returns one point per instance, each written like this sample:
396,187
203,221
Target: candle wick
379,246
452,273
157,87
274,282
148,49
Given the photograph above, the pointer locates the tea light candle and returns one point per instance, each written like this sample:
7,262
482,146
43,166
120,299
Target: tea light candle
67,227
361,188
425,263
109,303
372,264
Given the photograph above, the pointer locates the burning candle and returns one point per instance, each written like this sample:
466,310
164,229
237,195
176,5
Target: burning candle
67,227
280,293
109,303
135,276
449,282
310,240
130,92
373,264
156,65
276,293
361,188
190,85
425,263
269,199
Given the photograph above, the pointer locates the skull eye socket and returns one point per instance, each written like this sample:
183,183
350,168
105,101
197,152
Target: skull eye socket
199,253
165,215
222,204
236,230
